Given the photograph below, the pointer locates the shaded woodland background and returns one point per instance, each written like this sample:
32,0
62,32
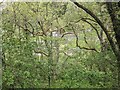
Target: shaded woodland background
61,45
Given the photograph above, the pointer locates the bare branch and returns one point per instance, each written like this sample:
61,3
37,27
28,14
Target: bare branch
41,26
93,28
85,37
77,41
100,23
66,34
89,19
41,52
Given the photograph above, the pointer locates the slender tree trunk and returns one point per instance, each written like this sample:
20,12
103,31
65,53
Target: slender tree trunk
116,27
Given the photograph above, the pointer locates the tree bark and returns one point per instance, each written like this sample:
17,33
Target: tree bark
116,27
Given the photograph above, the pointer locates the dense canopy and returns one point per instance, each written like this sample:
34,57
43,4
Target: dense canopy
60,45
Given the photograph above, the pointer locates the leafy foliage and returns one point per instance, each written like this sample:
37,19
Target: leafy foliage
52,45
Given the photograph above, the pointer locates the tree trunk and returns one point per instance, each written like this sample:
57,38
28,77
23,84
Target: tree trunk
115,18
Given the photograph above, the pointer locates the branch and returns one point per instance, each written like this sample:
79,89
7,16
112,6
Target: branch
41,26
40,52
26,29
31,27
32,32
84,19
91,14
77,45
89,19
85,37
100,23
66,34
93,28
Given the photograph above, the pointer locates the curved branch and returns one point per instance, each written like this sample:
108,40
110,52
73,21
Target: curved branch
41,52
66,34
113,46
93,28
89,19
77,44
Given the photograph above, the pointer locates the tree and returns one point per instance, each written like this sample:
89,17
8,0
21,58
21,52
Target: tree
116,27
49,45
